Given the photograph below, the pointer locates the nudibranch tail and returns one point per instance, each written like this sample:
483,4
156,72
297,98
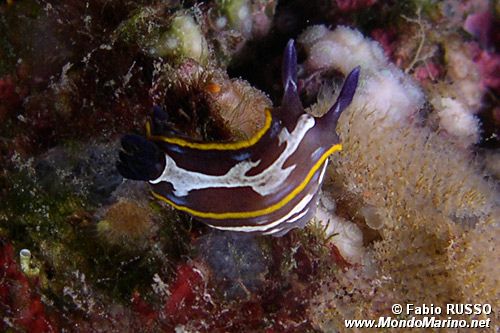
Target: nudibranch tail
267,184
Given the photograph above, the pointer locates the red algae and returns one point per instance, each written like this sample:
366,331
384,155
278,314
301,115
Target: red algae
339,259
9,97
187,285
489,67
428,72
20,303
352,5
145,311
387,39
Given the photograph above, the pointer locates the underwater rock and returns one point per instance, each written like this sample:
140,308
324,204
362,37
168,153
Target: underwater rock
87,170
236,261
129,190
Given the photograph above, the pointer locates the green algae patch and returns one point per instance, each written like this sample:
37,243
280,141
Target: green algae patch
59,228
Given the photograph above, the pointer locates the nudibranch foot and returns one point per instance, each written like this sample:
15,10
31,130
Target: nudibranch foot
267,184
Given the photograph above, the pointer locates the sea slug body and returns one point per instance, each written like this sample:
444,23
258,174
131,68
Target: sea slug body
267,184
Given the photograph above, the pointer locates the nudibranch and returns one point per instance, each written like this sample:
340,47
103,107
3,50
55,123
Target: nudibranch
267,184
